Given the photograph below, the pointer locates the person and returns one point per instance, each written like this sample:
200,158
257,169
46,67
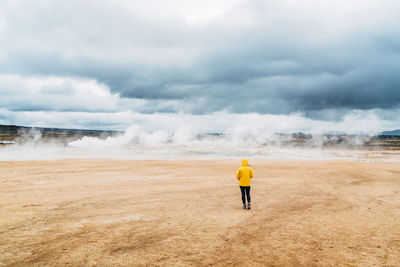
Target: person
244,174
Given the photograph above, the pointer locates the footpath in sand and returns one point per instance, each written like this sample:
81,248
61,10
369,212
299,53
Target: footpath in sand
189,212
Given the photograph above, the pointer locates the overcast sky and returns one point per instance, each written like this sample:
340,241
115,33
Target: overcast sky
110,64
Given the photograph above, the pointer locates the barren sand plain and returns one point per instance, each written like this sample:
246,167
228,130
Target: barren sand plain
189,213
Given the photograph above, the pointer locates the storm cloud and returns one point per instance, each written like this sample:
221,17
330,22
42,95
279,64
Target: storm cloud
321,58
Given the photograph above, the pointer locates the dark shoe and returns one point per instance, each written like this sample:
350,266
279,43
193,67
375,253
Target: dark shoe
249,207
244,206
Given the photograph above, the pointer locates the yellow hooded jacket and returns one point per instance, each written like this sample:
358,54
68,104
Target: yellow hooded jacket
244,173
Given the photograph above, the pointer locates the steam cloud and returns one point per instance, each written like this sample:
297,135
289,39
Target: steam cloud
226,135
232,130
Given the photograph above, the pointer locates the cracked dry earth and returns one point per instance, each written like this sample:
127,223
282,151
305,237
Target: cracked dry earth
188,213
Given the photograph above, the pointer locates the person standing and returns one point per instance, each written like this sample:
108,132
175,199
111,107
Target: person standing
244,174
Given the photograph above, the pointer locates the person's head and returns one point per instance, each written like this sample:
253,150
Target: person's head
245,162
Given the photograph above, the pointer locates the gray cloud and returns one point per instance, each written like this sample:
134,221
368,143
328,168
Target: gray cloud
258,56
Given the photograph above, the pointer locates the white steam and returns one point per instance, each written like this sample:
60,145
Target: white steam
166,136
135,136
231,130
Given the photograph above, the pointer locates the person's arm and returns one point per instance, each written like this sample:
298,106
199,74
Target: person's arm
251,173
238,174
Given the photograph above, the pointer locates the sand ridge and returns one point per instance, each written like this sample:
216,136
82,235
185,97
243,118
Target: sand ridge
188,212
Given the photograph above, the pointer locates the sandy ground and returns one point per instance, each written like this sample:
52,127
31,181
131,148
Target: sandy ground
189,213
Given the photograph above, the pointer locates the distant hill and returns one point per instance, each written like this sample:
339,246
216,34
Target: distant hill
392,133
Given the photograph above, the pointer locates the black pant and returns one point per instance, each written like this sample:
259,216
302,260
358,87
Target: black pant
245,191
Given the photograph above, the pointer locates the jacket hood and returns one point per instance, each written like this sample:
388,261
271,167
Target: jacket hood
245,162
